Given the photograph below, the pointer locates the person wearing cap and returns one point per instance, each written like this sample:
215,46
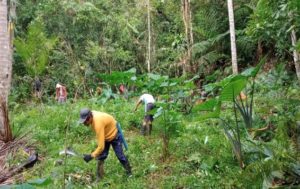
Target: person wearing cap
61,93
148,101
108,133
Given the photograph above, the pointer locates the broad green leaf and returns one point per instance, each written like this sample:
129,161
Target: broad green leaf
116,78
233,89
224,81
164,84
172,84
132,70
206,106
133,78
211,114
156,76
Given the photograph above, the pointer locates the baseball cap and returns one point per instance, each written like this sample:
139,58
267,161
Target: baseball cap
84,114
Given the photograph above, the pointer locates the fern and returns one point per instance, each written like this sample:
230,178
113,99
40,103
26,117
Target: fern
35,49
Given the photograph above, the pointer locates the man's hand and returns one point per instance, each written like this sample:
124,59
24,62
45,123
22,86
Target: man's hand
87,157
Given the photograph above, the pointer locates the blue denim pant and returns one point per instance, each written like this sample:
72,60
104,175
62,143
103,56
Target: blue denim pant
148,116
117,146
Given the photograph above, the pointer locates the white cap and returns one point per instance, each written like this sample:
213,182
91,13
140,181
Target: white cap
58,85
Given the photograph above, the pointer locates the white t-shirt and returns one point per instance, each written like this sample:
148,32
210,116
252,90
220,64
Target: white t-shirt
146,99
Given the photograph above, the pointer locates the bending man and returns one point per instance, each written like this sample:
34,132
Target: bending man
149,101
108,133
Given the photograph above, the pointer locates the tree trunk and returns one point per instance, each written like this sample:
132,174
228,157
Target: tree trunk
232,37
295,54
11,25
191,36
188,28
5,68
149,37
184,18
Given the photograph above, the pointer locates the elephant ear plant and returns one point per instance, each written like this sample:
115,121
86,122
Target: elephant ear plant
230,90
167,113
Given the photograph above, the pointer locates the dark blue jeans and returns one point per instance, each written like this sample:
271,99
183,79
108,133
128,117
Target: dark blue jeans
117,146
149,116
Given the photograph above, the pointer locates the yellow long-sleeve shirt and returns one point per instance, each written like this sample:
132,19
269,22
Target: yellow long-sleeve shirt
104,125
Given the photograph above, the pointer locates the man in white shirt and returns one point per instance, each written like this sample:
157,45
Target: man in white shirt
148,101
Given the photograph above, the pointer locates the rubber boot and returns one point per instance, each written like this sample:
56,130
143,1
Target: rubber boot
150,128
100,170
127,167
143,128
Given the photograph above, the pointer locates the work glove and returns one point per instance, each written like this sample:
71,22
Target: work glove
87,157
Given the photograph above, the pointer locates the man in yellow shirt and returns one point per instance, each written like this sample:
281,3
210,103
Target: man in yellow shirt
107,133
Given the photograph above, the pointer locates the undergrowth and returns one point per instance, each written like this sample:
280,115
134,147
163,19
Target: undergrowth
199,157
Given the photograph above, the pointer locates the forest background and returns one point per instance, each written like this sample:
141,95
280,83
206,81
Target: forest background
182,52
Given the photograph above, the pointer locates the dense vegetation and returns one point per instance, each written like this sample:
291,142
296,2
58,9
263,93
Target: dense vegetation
218,140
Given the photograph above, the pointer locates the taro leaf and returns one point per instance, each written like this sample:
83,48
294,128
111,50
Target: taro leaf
157,77
167,84
233,89
133,78
222,83
236,77
132,70
40,181
212,114
225,81
164,84
206,106
117,77
172,84
209,87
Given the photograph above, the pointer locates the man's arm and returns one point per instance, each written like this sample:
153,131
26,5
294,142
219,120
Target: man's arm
137,104
56,93
101,142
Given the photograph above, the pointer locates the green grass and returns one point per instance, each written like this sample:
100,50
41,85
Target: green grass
200,157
